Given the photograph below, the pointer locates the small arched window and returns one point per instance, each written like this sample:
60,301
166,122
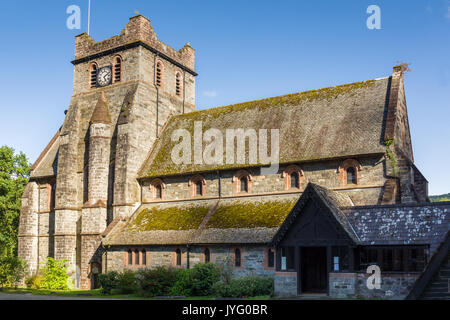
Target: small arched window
158,192
178,257
178,84
349,172
136,257
130,257
293,177
144,257
244,184
242,181
117,69
237,257
157,187
198,188
294,180
207,254
93,75
351,175
197,185
159,74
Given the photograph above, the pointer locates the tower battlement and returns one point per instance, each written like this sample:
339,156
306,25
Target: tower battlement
137,30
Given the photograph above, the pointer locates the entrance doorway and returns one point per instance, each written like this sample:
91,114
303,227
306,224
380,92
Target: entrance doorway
314,269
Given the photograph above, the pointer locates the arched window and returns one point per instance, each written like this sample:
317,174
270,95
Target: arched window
93,75
136,257
130,257
198,188
178,84
349,172
294,180
207,254
351,175
117,69
158,190
197,185
178,257
144,257
242,182
237,257
293,177
159,74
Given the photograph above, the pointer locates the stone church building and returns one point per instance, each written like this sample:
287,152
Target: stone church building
106,195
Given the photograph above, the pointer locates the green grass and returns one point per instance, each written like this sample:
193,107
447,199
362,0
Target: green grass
76,293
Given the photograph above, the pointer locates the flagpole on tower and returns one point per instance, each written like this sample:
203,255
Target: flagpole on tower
89,17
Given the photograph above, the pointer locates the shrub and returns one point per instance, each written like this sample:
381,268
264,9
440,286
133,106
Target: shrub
126,282
183,285
249,286
12,271
203,276
54,275
156,282
34,282
108,281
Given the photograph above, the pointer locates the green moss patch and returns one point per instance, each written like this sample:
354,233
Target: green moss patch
241,214
171,218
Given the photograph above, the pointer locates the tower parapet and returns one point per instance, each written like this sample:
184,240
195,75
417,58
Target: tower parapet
137,31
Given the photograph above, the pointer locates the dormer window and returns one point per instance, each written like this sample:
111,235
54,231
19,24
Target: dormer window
178,84
117,69
93,75
293,178
159,74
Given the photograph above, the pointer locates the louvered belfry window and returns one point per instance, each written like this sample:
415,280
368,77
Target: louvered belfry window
117,69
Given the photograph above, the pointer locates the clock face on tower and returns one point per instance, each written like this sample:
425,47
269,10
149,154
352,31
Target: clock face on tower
104,76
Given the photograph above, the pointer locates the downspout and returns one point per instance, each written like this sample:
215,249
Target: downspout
157,94
220,184
184,87
187,257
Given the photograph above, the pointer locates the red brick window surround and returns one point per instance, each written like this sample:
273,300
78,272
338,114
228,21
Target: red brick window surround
197,186
93,75
293,178
157,188
269,259
178,84
349,172
135,257
159,74
242,182
117,69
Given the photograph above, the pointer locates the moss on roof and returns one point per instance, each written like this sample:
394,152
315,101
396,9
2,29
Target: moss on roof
244,214
313,125
169,218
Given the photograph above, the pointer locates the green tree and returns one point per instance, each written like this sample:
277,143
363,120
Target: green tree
14,174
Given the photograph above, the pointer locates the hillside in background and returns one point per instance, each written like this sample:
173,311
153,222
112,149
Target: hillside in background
442,197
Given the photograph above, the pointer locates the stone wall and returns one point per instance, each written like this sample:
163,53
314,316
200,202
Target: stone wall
286,284
394,286
368,192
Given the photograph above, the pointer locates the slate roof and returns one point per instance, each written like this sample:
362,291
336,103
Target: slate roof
47,162
341,121
425,223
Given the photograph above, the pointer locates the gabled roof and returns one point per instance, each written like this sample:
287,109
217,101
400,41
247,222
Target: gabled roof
46,163
341,121
327,200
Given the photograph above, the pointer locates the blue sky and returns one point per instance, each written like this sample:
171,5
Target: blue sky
245,50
